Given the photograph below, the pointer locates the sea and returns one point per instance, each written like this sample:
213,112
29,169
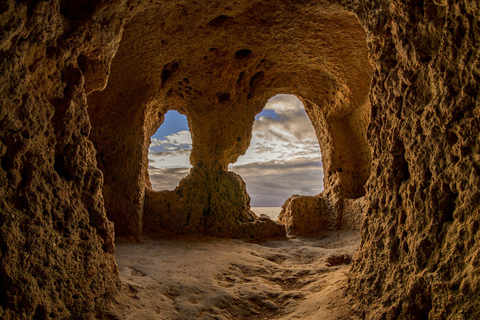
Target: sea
272,212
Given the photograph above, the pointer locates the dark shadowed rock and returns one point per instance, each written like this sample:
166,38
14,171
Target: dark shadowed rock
391,88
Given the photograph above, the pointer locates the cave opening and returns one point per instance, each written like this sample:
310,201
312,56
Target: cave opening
169,152
284,156
223,102
221,114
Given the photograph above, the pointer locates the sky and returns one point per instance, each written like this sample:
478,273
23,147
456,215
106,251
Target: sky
283,158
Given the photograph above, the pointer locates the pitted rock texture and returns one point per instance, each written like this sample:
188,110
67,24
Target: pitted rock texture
420,251
218,64
315,215
209,203
56,244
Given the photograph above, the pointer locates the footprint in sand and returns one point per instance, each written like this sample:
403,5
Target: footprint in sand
135,272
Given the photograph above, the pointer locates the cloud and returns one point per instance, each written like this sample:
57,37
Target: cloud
175,141
284,103
284,156
284,132
166,178
269,184
283,159
292,123
171,152
169,159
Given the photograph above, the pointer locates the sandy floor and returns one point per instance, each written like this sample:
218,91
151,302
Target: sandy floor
232,279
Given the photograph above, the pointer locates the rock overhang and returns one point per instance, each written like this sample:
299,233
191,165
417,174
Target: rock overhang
219,65
420,232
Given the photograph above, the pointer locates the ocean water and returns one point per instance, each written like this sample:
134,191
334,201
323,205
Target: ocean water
272,212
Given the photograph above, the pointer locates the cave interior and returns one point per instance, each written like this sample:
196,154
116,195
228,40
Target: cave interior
390,87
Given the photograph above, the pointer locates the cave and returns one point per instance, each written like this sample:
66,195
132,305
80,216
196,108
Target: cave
221,113
168,153
390,87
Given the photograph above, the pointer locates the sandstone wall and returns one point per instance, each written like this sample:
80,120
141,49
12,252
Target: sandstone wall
218,65
420,249
56,244
328,211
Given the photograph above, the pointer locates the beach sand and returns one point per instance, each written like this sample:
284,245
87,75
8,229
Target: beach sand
272,212
231,279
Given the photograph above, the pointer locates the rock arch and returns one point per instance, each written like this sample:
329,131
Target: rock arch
221,80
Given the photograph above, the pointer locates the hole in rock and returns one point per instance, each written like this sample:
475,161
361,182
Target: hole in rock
242,54
169,152
283,158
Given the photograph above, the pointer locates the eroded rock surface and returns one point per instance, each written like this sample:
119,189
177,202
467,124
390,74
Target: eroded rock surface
316,215
209,203
56,244
420,251
218,65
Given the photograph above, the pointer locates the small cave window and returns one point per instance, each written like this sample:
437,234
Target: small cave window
169,152
283,158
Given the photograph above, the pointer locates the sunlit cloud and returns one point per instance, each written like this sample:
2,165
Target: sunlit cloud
171,152
166,178
284,132
271,183
175,141
283,158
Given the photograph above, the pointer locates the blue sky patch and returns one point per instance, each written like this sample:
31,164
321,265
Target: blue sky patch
267,114
173,123
284,157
